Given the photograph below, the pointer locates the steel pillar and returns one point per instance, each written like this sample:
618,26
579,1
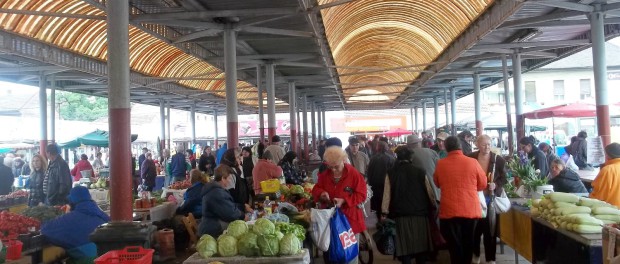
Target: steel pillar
271,101
298,104
192,120
436,113
42,114
324,124
216,136
162,124
519,94
53,108
313,124
121,198
292,106
416,127
453,110
230,66
411,116
597,27
169,139
507,101
477,105
261,114
446,109
424,116
319,123
304,107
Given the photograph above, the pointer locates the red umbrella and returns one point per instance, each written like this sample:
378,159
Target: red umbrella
565,110
396,132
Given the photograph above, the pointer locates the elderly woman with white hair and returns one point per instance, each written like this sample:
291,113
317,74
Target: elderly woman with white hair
343,185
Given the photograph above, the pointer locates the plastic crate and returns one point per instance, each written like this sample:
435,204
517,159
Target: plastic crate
128,255
13,249
270,186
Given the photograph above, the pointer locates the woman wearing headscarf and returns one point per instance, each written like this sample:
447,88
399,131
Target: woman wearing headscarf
292,174
239,192
38,166
406,199
493,165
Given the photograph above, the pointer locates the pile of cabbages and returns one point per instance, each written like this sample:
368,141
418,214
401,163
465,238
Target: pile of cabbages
264,238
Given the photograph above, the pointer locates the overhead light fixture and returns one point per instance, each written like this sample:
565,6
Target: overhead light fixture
528,35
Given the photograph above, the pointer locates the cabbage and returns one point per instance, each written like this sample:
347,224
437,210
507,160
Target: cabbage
269,245
237,228
289,245
207,246
227,246
297,189
247,245
263,226
279,235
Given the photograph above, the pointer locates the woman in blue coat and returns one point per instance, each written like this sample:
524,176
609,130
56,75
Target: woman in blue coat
218,206
71,231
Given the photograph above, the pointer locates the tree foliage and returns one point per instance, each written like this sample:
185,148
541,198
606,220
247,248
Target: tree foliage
74,106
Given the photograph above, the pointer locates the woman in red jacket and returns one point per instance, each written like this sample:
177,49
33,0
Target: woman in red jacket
344,185
82,165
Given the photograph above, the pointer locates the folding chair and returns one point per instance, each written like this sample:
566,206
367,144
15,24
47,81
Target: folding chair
192,229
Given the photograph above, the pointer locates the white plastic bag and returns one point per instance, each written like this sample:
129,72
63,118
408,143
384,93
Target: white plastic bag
483,204
501,203
321,232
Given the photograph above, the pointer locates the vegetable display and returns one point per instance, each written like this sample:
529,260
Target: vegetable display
263,226
237,228
43,213
227,246
11,225
578,214
269,245
207,246
248,245
180,185
290,245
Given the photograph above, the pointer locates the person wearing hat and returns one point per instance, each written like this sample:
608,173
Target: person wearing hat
425,158
606,185
439,146
71,231
276,149
358,159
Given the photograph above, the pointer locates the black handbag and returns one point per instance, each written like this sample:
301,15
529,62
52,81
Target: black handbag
385,237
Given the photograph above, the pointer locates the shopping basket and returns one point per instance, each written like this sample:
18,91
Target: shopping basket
270,186
128,255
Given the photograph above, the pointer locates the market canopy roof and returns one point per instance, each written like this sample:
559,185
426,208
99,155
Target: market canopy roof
397,132
566,110
97,138
340,54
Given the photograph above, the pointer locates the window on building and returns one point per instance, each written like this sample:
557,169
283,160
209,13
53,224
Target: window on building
584,89
530,92
558,90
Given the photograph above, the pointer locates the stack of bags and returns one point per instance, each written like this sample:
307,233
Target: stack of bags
578,214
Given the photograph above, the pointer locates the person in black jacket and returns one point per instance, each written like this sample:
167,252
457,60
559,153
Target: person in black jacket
465,137
239,192
564,179
6,178
207,161
579,150
248,166
57,181
406,199
528,145
379,164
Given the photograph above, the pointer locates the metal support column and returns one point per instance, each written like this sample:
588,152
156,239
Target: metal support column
192,121
121,198
271,101
162,124
261,115
304,107
53,108
416,127
230,66
43,113
436,113
216,142
324,124
519,93
597,27
453,110
313,124
319,125
411,116
507,101
445,104
477,105
298,103
169,138
292,106
423,116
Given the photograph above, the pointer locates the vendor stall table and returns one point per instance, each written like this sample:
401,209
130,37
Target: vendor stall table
301,258
99,194
160,212
515,230
587,177
554,245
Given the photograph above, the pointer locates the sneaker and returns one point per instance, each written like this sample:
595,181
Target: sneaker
475,260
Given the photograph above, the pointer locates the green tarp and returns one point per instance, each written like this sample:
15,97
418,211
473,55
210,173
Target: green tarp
97,138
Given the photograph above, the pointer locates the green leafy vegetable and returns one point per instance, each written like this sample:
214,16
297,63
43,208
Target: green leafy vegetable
248,245
269,245
237,228
297,189
263,226
227,246
290,245
207,246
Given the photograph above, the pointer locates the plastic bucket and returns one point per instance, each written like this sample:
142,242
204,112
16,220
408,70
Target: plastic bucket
13,249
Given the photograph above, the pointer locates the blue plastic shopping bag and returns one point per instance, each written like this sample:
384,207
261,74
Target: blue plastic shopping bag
343,247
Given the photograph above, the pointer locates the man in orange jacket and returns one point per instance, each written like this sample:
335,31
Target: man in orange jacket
459,178
605,185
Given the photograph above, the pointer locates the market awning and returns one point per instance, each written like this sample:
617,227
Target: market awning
97,138
566,110
397,132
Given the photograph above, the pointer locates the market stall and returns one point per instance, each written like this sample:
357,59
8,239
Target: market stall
302,258
515,229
